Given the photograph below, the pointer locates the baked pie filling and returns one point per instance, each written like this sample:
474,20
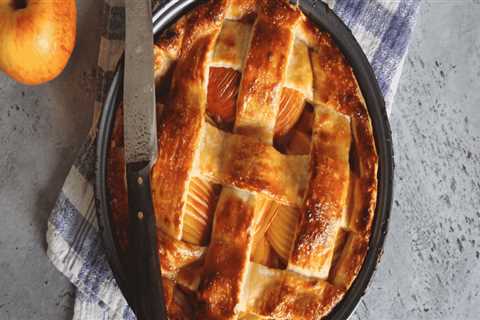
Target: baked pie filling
265,183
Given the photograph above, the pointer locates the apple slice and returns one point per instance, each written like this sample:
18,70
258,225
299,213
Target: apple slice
264,254
223,89
290,110
282,231
201,199
261,253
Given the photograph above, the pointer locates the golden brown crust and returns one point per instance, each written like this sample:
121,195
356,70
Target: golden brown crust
171,40
299,73
176,302
188,97
350,261
366,192
167,49
235,218
249,316
175,255
265,68
271,52
279,13
326,195
247,163
232,45
335,86
241,9
277,294
228,255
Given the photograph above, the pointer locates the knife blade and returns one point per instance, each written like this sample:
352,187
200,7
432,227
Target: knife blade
140,135
139,87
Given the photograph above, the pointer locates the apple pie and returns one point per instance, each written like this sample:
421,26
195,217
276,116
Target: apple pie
265,183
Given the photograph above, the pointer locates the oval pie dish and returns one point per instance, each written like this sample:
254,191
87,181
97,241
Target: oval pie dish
273,184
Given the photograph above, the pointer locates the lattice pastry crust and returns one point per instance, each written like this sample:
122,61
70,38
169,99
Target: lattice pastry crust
265,184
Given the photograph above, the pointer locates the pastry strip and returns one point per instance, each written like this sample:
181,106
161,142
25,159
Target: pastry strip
299,72
321,215
236,215
167,49
335,86
180,129
246,163
265,69
228,255
240,9
281,294
175,254
232,45
350,261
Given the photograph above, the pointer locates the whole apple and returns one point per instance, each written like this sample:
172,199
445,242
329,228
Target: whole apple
37,38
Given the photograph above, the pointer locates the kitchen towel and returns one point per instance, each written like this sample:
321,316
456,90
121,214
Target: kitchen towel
383,29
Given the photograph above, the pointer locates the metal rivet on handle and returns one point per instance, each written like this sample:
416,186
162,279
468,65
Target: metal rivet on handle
140,215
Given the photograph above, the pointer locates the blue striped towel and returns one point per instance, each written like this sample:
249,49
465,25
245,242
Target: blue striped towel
383,29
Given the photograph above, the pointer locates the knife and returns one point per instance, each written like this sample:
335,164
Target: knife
140,134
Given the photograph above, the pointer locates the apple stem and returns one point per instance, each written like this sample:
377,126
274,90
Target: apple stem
18,4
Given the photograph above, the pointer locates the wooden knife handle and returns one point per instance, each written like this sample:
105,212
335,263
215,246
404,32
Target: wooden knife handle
144,276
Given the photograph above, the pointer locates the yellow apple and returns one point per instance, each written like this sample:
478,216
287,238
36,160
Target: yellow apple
37,38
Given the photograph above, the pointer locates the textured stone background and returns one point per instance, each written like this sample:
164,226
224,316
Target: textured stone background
430,267
41,129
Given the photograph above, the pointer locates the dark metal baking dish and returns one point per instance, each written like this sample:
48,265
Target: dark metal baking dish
327,20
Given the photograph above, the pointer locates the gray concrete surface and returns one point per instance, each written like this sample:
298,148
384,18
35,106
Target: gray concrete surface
430,266
430,269
41,128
